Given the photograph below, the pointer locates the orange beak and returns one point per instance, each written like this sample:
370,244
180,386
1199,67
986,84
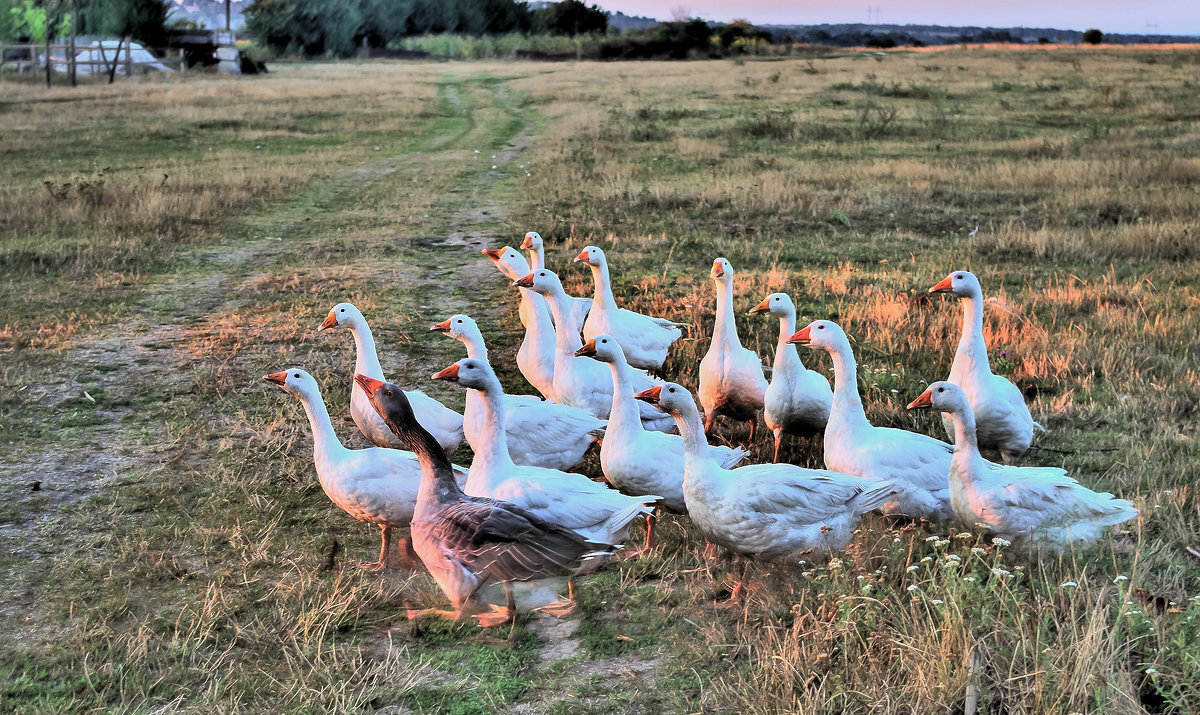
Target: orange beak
763,307
943,286
717,270
442,327
368,384
279,378
925,400
450,373
329,322
527,243
493,253
801,336
526,282
651,395
582,257
588,349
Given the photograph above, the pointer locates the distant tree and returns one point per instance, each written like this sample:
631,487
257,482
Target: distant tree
572,17
315,27
1093,36
143,20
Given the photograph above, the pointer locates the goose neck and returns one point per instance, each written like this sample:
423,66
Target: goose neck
971,345
625,413
604,295
565,340
438,485
476,348
726,325
966,448
492,452
691,429
326,445
366,361
847,404
787,356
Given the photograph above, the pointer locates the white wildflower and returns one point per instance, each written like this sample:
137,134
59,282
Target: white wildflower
1001,572
943,542
1001,542
964,535
913,587
932,538
969,579
1151,671
1119,579
1069,584
977,550
954,557
912,568
936,601
927,559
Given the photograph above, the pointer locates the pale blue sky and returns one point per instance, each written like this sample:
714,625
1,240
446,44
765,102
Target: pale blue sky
1177,17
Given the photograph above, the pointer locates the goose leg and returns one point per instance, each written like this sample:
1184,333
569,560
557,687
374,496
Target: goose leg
753,427
408,555
559,609
500,616
709,418
739,588
778,440
651,542
385,549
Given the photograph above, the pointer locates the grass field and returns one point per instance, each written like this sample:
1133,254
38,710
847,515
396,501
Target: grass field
165,546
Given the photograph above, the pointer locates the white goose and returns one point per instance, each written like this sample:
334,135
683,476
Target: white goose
540,434
572,500
443,423
375,485
537,261
645,339
1003,418
535,357
1033,506
581,381
773,512
635,460
916,462
798,400
731,377
471,544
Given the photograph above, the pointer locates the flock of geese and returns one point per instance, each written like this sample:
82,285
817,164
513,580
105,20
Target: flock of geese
509,532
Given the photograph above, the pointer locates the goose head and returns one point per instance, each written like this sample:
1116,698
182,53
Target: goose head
591,255
821,335
389,401
343,315
603,348
508,261
943,397
722,271
544,281
460,326
532,242
468,372
296,382
671,398
963,284
777,304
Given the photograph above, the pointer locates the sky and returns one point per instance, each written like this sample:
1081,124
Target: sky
1172,17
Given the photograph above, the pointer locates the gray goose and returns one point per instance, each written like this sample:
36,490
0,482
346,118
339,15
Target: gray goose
469,542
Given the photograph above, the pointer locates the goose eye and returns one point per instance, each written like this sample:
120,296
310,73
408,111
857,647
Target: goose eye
941,389
388,393
296,375
959,276
343,310
604,342
460,322
820,327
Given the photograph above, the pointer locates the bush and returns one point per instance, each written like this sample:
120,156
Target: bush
1093,36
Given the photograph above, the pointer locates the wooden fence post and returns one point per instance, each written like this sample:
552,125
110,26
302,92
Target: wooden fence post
71,58
47,56
1,62
128,59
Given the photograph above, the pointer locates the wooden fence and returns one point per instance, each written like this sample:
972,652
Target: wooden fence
64,58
